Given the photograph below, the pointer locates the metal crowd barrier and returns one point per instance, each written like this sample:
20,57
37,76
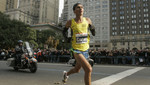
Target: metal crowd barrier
133,60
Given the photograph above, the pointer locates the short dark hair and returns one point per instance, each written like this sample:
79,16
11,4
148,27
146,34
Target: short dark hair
75,5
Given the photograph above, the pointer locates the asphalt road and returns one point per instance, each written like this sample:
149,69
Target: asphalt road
51,74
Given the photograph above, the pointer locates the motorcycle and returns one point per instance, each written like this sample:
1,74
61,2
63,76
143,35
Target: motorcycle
27,60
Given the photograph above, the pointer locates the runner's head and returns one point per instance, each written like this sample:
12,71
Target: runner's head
75,5
78,8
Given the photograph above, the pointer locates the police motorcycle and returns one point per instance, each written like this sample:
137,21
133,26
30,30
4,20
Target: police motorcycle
27,60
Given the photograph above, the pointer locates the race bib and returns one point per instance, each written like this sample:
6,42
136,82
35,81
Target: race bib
81,38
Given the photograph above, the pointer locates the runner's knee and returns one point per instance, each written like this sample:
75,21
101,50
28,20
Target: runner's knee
88,70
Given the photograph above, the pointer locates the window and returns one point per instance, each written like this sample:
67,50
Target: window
113,33
91,0
145,10
105,10
145,4
97,16
121,7
146,32
132,1
127,6
97,3
127,1
113,13
105,2
91,8
133,11
133,6
105,6
139,5
121,17
104,15
146,21
134,43
97,11
91,4
145,15
97,45
133,16
147,43
139,10
140,32
114,18
122,22
140,26
121,2
114,3
121,12
96,7
113,8
145,26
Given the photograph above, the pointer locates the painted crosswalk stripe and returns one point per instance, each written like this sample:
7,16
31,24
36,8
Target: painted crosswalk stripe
116,77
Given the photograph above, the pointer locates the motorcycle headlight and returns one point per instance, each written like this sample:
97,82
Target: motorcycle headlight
30,54
26,54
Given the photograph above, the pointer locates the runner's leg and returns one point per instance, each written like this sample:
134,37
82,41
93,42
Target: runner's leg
76,69
86,67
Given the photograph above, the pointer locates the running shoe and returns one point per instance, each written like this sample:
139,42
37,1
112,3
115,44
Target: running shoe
65,77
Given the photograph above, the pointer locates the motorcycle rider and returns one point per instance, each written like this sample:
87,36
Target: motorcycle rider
19,50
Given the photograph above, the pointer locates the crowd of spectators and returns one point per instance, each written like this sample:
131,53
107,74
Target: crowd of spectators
47,55
4,54
100,56
121,56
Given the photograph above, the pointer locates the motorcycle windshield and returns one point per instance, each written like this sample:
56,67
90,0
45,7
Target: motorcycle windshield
28,48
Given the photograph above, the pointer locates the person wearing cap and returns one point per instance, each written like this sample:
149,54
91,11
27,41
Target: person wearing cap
80,28
19,50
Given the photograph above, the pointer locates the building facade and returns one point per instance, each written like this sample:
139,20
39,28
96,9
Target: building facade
64,15
11,4
2,5
129,24
33,11
98,12
49,10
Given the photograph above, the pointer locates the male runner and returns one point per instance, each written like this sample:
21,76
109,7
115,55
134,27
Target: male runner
80,27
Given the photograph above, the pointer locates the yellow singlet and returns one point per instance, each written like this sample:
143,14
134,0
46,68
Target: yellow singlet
80,37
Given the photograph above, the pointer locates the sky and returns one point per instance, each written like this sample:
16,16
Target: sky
61,5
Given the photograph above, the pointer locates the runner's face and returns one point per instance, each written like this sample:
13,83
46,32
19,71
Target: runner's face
79,10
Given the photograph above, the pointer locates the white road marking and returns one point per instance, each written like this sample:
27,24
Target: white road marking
116,66
116,77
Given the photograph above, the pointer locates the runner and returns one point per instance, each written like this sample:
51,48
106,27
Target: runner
80,27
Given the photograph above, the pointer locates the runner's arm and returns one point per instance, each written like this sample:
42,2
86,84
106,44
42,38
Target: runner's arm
91,26
65,29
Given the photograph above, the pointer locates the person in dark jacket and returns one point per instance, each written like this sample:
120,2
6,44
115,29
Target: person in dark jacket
19,50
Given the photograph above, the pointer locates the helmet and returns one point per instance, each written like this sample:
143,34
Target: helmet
20,41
